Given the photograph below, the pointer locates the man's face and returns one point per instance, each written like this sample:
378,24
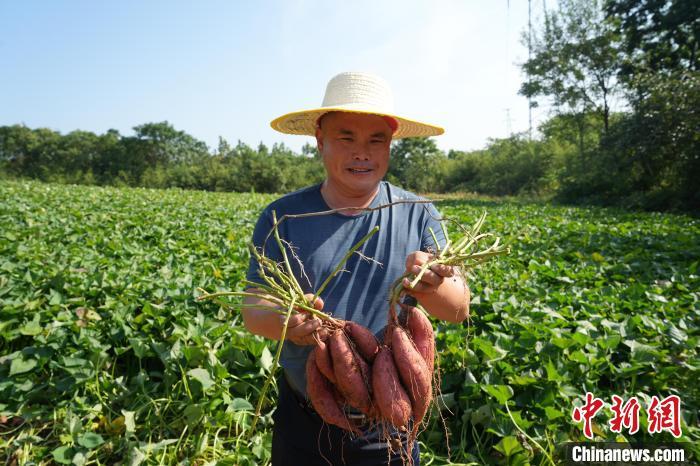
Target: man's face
355,150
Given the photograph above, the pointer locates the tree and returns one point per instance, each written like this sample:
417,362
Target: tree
658,144
161,143
417,164
310,150
31,152
224,149
575,61
657,35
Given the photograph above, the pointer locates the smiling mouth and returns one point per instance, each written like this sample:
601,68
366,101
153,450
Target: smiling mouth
359,170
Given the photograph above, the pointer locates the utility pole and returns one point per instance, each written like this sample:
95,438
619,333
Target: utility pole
529,57
509,127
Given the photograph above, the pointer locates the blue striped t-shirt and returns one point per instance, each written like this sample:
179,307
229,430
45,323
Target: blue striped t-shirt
361,292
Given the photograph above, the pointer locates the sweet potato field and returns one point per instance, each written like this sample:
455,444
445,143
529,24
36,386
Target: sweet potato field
106,357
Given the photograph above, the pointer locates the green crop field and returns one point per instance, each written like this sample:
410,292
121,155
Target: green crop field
106,357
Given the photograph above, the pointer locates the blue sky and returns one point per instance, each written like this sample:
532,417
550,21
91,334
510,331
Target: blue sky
226,68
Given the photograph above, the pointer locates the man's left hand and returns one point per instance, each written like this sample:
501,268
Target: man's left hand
431,279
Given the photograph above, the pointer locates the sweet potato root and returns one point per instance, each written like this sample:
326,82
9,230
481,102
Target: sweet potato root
365,341
390,398
324,361
413,372
322,398
421,331
352,373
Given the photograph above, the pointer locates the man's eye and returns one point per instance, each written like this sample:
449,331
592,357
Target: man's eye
346,139
377,141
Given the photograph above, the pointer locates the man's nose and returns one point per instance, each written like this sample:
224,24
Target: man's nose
362,152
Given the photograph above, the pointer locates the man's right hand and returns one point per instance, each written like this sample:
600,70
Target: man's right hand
303,326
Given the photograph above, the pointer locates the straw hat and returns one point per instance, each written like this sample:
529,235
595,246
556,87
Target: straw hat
357,93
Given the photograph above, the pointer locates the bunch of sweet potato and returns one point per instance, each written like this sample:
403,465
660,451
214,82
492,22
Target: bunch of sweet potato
389,382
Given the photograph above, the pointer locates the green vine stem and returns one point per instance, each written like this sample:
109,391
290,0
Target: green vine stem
463,253
344,260
275,362
549,457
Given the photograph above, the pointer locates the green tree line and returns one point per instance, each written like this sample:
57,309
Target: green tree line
159,156
621,77
156,156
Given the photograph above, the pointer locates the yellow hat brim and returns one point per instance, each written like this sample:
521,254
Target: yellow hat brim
304,123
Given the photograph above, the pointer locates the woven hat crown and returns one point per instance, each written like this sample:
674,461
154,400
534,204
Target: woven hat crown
359,89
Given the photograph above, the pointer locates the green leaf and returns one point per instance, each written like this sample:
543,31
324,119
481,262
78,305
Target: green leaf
481,415
508,446
32,327
129,420
502,393
609,342
201,376
140,348
522,380
266,359
522,422
637,347
64,454
20,365
657,297
241,404
90,440
492,352
79,459
553,374
469,378
677,335
552,413
596,256
194,414
157,446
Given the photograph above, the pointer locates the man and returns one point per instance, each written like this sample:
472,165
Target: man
354,128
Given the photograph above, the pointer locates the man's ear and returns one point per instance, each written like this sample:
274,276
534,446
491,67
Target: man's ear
319,139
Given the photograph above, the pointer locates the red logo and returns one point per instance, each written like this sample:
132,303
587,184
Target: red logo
587,412
665,415
625,416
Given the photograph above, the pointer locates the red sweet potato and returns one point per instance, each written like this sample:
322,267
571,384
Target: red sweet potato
365,341
324,361
390,398
413,372
421,331
338,397
352,373
321,395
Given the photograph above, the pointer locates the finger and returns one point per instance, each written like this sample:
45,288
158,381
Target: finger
417,258
429,276
423,257
445,271
303,341
318,304
295,319
420,288
323,334
308,327
312,337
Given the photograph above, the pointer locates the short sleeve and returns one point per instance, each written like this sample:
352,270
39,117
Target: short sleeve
432,222
262,227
